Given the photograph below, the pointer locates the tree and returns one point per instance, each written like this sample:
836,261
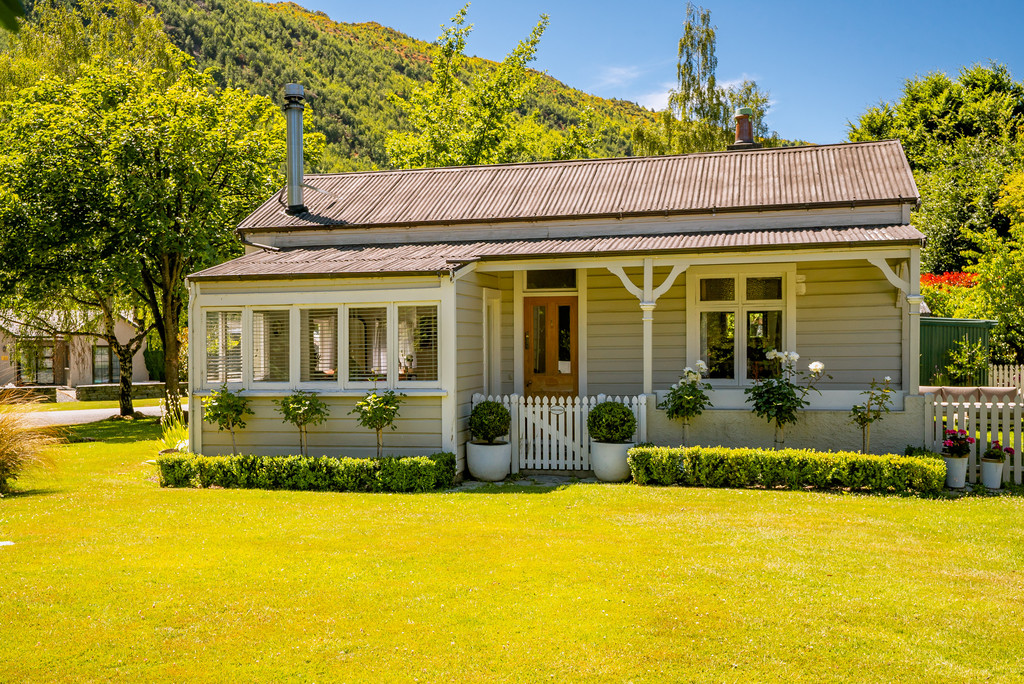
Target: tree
458,123
10,10
160,175
961,137
699,116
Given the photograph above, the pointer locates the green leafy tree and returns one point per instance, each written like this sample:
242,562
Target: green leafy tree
303,409
377,411
227,409
479,120
962,138
699,116
161,168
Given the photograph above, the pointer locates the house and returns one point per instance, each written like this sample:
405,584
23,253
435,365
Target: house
29,356
568,279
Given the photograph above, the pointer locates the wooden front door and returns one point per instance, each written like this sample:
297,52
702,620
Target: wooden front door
551,345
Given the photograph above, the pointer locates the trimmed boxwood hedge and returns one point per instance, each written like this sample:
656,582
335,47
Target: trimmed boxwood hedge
792,468
322,474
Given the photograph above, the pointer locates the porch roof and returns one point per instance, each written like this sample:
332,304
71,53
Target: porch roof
848,174
421,259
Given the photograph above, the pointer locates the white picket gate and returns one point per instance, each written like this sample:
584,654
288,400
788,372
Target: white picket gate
1006,376
985,418
550,433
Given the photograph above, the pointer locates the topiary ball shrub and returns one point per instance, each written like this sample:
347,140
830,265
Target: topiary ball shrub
611,422
489,421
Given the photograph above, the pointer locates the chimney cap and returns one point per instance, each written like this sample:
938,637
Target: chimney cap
744,111
294,90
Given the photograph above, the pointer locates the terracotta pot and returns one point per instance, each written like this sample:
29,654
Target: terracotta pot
991,473
956,471
489,462
608,460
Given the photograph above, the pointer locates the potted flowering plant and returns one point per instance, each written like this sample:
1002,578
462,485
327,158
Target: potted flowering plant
955,448
992,465
688,398
611,425
488,457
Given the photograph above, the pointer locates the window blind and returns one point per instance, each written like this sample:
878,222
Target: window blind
417,343
367,343
270,346
223,346
319,340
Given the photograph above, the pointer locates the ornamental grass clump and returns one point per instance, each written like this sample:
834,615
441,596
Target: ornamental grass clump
23,446
302,409
778,398
877,404
688,398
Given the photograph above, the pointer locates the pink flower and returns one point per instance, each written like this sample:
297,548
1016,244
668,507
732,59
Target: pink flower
948,443
962,432
970,440
1008,450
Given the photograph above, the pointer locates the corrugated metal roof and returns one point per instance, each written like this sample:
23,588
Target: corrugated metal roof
825,175
358,260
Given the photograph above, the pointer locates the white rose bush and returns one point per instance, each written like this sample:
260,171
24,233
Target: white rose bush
778,399
688,398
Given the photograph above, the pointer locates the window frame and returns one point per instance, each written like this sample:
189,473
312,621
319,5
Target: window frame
249,349
740,306
245,344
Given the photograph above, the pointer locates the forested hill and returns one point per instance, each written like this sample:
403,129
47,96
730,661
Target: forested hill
348,71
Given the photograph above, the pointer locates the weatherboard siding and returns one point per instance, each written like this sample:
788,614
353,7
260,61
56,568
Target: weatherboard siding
418,431
848,320
470,345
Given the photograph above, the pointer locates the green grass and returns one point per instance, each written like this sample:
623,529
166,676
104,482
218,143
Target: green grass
79,405
113,578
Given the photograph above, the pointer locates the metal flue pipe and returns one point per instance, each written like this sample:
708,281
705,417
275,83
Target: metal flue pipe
294,94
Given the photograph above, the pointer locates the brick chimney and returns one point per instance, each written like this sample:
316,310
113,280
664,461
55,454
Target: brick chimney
744,131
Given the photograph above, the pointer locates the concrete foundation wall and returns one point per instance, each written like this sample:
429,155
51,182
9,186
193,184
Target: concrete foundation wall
820,430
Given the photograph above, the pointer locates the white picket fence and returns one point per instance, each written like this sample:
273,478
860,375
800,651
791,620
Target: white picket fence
550,433
985,418
1006,376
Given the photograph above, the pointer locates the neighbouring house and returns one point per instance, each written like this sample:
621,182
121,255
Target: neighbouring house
32,357
562,280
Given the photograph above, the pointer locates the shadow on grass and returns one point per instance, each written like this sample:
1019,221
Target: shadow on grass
38,491
508,489
114,431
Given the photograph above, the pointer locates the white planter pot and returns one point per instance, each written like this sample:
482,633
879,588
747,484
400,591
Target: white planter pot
489,462
956,471
991,473
608,460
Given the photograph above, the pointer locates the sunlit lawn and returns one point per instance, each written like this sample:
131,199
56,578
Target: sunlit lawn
112,578
79,405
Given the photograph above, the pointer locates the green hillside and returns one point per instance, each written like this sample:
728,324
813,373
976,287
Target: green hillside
348,71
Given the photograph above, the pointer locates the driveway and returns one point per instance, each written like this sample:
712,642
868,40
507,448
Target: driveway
83,415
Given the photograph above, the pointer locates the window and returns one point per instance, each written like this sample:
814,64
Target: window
417,343
319,340
270,359
738,319
555,279
223,346
367,343
106,367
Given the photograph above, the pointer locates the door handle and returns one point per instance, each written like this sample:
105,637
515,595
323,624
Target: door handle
527,340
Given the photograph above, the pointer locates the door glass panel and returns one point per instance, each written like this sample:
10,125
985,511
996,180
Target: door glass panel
764,288
717,289
718,343
539,340
764,332
564,339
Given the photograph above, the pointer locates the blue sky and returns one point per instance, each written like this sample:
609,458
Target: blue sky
823,62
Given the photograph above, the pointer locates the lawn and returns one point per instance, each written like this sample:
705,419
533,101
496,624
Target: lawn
79,405
112,578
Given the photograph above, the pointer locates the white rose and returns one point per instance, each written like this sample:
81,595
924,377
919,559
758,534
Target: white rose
816,367
888,379
794,356
771,354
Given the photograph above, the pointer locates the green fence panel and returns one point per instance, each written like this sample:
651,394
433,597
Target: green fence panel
939,337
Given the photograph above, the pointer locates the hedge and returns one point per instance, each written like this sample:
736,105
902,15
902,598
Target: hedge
323,474
792,468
